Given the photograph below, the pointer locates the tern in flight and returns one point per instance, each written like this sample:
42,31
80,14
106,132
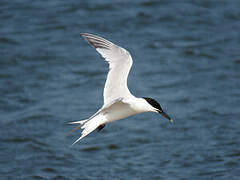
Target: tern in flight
119,103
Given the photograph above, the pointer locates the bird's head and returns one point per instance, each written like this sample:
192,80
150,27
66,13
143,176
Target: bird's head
157,108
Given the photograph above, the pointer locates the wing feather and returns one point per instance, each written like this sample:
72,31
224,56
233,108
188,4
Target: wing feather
120,63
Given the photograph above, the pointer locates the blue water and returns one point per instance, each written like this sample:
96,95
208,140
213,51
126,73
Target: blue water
186,55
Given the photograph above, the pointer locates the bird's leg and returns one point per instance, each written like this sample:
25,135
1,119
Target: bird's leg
101,127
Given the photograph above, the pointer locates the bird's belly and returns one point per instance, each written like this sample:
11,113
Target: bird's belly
119,113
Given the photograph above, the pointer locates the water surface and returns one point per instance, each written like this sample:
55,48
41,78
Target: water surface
186,55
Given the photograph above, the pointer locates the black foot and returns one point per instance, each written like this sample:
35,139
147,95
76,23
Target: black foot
101,127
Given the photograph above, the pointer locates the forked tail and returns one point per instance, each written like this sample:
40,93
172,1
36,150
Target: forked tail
88,126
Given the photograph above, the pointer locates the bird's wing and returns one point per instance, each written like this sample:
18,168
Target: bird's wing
106,106
102,109
120,62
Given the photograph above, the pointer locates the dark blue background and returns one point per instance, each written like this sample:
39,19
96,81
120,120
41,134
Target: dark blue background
186,55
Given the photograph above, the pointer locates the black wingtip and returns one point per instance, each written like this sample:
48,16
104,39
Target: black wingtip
96,41
84,34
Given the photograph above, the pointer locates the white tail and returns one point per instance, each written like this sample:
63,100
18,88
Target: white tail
78,122
88,126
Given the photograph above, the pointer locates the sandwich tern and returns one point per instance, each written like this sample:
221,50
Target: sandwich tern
119,103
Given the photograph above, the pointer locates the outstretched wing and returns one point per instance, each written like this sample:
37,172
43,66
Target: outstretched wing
120,62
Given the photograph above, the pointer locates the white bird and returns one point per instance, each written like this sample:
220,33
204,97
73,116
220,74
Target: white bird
119,103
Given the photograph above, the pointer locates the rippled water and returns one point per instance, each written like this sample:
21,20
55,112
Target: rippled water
186,55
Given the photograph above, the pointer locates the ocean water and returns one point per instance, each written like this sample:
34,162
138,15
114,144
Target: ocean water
186,56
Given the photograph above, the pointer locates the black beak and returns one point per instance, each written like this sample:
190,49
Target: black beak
165,115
